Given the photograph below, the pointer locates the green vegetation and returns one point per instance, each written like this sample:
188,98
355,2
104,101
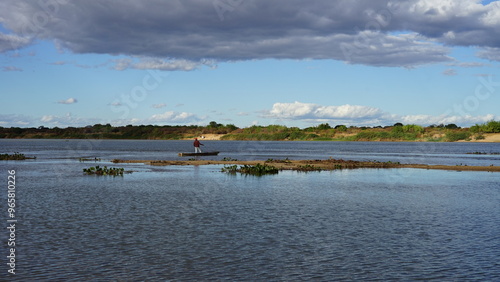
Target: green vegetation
90,159
321,132
14,157
228,159
99,131
307,168
489,127
285,161
104,171
456,136
483,153
257,170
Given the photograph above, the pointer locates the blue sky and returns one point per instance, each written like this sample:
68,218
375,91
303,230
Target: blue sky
249,63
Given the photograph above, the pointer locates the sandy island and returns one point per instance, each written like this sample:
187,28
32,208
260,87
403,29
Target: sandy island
305,165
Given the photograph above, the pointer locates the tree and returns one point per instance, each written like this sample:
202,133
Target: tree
214,124
324,126
341,127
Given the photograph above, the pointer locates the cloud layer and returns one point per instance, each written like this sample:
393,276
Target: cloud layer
363,115
182,35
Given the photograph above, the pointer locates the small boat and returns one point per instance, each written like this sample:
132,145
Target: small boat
198,154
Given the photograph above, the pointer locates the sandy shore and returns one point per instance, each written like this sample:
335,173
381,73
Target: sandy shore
302,165
488,137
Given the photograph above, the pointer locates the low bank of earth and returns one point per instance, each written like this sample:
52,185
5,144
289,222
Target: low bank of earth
311,165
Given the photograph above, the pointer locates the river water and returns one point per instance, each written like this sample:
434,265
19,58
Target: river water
195,223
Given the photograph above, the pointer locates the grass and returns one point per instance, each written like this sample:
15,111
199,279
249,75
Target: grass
307,168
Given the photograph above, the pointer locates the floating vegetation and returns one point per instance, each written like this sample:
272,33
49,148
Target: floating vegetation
226,159
97,170
230,169
90,159
482,153
257,169
14,157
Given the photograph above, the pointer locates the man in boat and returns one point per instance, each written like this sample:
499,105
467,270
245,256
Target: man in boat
197,145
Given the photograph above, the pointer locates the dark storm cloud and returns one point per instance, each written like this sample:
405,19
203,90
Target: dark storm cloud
378,33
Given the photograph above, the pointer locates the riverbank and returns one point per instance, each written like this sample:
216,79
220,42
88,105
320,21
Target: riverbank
311,165
486,138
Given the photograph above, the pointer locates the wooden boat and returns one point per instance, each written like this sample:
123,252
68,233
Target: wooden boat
198,154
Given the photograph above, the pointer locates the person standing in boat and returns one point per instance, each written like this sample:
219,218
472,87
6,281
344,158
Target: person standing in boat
197,145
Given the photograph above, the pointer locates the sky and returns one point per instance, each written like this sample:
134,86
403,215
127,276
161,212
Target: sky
70,63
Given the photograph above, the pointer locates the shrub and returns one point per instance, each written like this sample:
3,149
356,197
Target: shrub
413,128
341,128
456,136
489,127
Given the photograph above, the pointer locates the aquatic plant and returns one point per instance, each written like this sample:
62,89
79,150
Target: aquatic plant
226,159
257,169
482,153
230,169
90,159
14,157
97,170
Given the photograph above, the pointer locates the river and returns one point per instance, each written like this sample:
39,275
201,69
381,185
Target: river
185,223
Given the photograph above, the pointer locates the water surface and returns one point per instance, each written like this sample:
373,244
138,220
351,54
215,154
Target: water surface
196,223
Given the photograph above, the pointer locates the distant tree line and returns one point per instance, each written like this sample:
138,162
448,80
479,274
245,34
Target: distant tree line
107,131
321,132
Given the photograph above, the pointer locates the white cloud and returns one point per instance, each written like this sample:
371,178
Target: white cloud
172,116
465,120
300,110
11,68
66,120
15,120
10,42
468,64
490,53
68,101
450,72
122,64
159,106
59,63
151,63
165,65
363,115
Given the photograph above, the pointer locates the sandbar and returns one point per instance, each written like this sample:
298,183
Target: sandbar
304,165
